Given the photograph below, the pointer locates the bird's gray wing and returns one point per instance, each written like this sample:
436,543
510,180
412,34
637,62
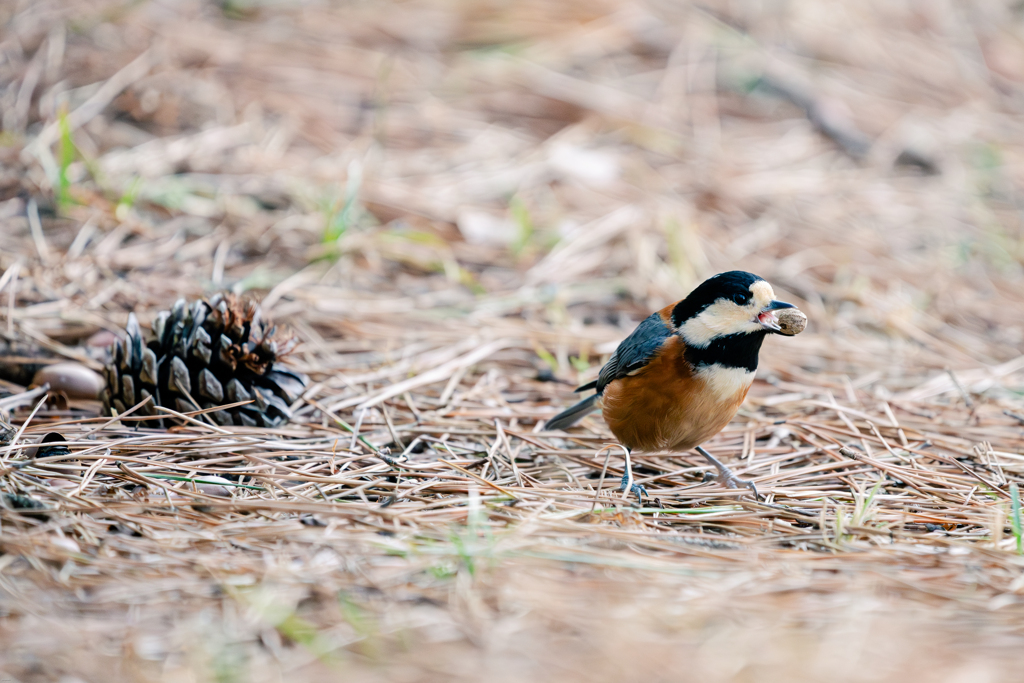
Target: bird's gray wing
634,352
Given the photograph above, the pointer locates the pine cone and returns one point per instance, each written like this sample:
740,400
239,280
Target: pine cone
205,355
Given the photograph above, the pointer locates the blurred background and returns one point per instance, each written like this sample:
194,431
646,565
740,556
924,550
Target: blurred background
383,174
864,158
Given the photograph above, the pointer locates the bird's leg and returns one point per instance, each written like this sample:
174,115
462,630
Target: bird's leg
726,476
627,482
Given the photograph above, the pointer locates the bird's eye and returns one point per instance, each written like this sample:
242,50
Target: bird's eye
740,299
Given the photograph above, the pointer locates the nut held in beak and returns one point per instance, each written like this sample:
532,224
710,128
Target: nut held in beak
791,321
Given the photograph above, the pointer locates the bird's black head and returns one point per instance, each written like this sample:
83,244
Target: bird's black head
727,317
734,286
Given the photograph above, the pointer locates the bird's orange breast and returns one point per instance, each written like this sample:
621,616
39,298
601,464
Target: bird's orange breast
669,405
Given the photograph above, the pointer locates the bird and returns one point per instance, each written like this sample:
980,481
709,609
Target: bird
680,376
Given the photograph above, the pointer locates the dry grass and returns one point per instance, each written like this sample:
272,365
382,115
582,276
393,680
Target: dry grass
460,208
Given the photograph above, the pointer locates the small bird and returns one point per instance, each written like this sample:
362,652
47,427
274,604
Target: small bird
682,374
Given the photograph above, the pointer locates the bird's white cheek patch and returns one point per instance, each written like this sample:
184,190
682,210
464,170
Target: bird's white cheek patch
763,293
725,382
720,319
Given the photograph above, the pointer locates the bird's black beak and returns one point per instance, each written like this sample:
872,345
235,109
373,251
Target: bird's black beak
767,318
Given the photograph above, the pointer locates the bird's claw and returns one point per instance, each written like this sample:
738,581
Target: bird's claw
638,489
737,483
731,481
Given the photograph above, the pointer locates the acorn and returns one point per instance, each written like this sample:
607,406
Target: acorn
73,379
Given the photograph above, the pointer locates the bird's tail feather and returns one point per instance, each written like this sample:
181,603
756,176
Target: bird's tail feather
572,415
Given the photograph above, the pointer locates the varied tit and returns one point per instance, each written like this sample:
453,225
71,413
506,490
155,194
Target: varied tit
682,374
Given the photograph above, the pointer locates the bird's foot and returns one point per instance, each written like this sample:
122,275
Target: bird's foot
729,480
726,476
628,485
